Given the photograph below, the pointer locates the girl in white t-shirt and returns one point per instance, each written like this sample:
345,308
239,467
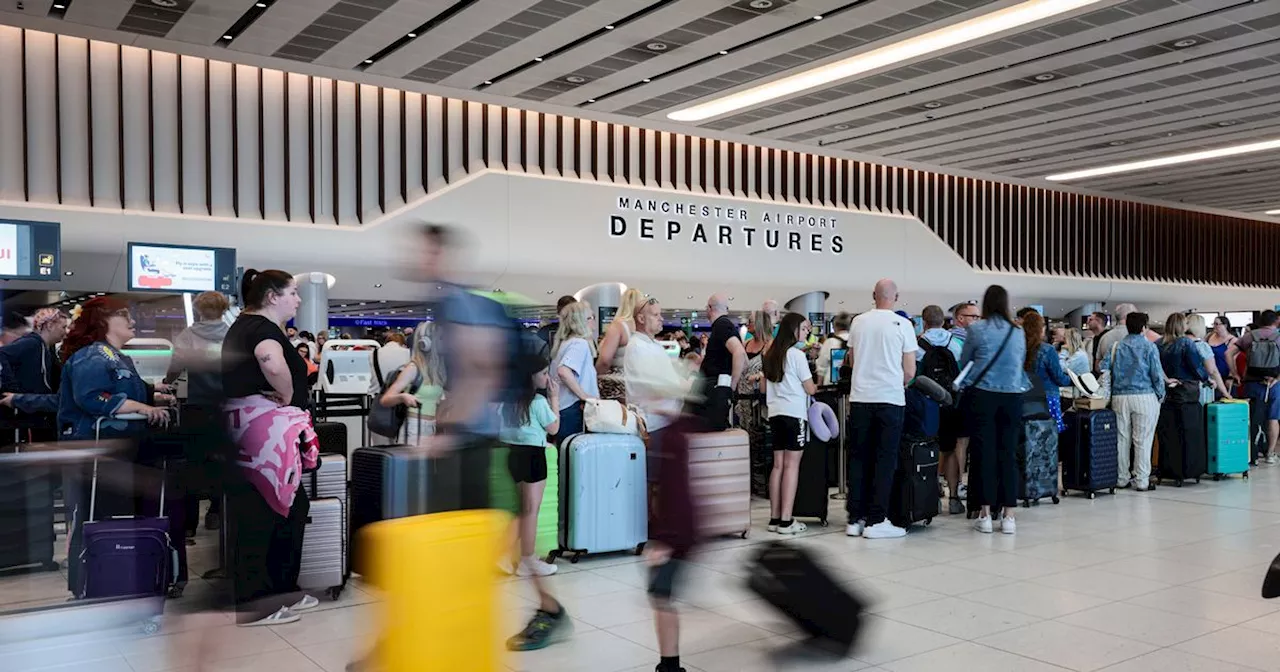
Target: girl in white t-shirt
788,385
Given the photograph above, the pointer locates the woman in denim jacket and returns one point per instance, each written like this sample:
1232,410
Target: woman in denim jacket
995,349
1137,388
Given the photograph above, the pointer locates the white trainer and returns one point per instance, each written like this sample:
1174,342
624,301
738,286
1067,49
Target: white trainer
1008,526
1273,459
796,527
307,602
855,529
532,566
884,530
983,524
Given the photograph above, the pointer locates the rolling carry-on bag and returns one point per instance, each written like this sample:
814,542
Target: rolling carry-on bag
603,495
720,478
1089,451
329,479
1181,432
1228,438
813,495
914,495
788,577
441,608
324,548
1038,461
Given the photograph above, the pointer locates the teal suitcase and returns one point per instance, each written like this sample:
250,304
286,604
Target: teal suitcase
1228,428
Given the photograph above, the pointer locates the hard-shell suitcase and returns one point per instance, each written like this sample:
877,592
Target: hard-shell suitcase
1182,442
788,577
547,538
813,494
720,478
329,480
914,496
441,607
332,437
324,547
1089,451
603,495
1038,461
1228,439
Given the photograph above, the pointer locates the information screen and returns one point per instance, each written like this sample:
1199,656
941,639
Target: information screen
30,250
174,268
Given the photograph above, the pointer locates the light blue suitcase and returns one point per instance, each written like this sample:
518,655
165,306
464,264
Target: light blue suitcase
603,495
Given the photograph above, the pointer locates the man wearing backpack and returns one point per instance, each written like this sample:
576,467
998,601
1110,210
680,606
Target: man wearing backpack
839,340
939,355
1261,348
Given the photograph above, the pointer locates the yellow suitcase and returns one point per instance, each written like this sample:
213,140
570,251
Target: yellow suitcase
440,598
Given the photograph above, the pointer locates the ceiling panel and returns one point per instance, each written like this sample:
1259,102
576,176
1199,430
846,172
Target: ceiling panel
1118,81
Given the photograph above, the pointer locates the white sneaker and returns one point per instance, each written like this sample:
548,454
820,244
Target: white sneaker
855,529
281,617
307,602
532,566
962,491
884,530
771,527
983,524
1272,459
1008,526
796,527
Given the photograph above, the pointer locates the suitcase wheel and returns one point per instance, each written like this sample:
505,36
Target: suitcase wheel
746,533
823,522
928,521
1092,494
150,627
1197,480
1217,477
1245,474
1056,500
335,592
1112,491
174,592
575,558
1026,503
639,550
551,557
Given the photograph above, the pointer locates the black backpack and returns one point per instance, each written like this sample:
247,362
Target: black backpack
939,364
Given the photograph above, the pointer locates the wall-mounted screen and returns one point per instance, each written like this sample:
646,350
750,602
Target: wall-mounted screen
177,268
30,250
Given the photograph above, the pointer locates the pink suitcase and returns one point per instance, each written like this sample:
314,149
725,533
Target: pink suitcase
720,477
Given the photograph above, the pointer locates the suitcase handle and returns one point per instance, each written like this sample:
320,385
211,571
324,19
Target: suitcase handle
93,485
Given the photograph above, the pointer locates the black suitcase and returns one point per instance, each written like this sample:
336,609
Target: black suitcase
914,497
332,437
1089,451
812,493
1184,451
26,517
787,577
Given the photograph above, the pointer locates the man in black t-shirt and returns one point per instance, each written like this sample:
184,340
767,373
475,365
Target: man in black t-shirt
723,361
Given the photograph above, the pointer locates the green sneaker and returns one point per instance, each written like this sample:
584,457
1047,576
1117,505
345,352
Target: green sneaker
543,631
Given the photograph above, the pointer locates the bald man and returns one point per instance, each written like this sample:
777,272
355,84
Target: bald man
723,360
882,345
1112,337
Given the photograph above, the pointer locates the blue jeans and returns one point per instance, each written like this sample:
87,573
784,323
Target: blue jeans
875,432
571,422
1269,398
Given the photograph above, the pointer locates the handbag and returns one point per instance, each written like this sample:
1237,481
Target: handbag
388,420
607,416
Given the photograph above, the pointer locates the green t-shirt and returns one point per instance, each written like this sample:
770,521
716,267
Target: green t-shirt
533,432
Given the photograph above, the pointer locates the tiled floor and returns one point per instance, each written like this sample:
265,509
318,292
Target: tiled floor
1164,581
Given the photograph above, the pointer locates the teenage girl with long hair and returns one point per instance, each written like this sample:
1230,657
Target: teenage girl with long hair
419,386
573,355
788,386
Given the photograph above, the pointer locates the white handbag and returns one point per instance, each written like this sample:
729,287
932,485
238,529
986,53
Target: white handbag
606,416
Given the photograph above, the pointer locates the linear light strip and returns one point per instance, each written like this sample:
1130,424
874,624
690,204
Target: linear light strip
915,47
1273,212
1147,164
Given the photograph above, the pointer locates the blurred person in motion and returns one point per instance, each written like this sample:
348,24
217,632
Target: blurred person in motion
99,382
613,348
723,360
788,386
573,354
419,385
31,373
883,346
1137,390
197,352
658,389
992,403
526,421
265,382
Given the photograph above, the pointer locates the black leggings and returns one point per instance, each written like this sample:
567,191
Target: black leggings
266,550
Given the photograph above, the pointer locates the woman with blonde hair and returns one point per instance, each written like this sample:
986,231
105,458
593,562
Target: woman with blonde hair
573,353
1071,352
750,408
1196,329
418,385
1180,428
612,355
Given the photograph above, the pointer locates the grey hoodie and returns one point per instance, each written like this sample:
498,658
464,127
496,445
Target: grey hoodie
198,351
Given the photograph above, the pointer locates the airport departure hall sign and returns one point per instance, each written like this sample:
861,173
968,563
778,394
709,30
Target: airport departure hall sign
686,221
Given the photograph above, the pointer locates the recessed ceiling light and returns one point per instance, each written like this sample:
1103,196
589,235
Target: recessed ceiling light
59,6
841,127
368,61
761,4
413,34
1228,123
168,4
911,48
656,46
646,80
226,37
260,5
1045,77
68,273
724,52
1189,42
487,82
817,18
933,105
591,100
1116,143
609,27
537,59
1024,159
575,79
1204,155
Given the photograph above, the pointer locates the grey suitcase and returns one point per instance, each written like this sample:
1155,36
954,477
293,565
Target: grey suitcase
330,480
324,547
1038,461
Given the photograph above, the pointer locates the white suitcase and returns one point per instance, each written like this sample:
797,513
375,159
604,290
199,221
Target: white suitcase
330,480
324,547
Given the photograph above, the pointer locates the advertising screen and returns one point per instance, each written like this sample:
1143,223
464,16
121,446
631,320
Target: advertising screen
29,250
172,268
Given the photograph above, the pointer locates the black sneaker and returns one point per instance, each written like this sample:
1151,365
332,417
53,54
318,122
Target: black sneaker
543,631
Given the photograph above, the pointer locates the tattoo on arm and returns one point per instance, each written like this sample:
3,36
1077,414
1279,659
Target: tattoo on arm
265,358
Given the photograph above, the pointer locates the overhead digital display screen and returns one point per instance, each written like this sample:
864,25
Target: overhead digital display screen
30,250
177,268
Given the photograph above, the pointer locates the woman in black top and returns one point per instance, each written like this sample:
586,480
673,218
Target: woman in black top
257,359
